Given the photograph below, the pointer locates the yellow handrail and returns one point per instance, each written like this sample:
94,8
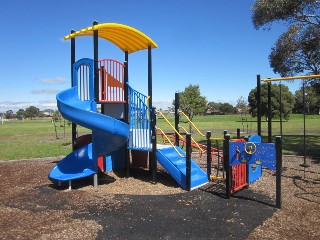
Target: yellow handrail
148,103
202,135
171,143
290,78
170,124
216,139
216,177
194,140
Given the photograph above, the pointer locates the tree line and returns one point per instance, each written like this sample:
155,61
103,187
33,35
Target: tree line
30,113
192,103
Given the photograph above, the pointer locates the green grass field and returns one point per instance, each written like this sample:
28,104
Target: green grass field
37,138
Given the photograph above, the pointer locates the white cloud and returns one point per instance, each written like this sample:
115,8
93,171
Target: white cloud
56,80
15,106
45,91
164,105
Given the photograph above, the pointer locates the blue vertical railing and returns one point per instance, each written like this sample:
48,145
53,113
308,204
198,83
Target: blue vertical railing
139,121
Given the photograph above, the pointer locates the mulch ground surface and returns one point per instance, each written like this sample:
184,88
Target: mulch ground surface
31,207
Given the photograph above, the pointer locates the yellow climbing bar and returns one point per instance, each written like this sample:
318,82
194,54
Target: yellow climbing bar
216,139
202,135
290,78
192,139
163,133
125,37
164,117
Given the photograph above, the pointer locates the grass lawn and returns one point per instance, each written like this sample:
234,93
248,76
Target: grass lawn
292,130
38,139
34,139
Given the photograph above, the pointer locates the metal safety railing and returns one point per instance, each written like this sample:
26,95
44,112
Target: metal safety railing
111,81
83,78
139,121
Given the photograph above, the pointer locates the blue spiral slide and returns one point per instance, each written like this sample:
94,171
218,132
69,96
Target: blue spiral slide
108,135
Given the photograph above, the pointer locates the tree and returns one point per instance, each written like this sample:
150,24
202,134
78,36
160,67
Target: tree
20,113
213,107
242,105
31,112
191,101
226,108
220,108
297,50
287,101
9,114
312,101
304,12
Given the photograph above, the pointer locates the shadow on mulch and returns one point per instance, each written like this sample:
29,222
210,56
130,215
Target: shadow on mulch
142,174
190,215
204,213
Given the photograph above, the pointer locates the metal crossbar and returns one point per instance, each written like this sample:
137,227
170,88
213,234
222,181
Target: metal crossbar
139,121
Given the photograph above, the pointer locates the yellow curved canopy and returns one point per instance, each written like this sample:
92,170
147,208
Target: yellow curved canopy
125,37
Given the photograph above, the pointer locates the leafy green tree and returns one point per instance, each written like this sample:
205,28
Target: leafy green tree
9,114
242,105
312,101
213,107
287,101
20,113
220,108
191,101
226,108
304,12
31,112
297,50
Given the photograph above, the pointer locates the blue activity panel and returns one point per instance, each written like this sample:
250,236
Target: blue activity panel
253,153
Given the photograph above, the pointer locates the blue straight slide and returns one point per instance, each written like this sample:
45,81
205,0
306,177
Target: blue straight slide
108,135
175,165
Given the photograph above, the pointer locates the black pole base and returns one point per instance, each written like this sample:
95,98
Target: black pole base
304,165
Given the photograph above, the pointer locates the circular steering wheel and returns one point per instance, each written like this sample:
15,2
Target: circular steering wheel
250,148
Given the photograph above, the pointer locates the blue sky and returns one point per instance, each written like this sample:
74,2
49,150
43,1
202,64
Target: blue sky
209,43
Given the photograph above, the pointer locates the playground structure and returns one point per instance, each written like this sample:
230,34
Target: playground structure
127,122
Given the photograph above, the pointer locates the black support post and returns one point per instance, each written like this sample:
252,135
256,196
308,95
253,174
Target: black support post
269,114
238,133
278,171
176,117
73,60
126,56
281,108
126,115
96,86
95,60
150,76
188,161
126,92
227,165
154,144
209,156
258,104
103,86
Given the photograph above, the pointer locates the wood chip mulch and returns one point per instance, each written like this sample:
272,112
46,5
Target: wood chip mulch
32,208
